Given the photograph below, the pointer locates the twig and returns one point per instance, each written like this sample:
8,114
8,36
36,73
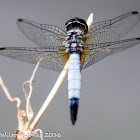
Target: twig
29,115
26,96
8,94
24,90
21,113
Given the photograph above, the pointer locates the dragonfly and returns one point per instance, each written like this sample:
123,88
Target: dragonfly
81,46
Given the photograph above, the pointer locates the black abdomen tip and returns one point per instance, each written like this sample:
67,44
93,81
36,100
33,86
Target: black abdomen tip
74,103
134,12
20,20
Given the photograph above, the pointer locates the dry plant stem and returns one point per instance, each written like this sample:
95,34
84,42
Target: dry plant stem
24,90
26,96
28,107
21,113
8,94
16,132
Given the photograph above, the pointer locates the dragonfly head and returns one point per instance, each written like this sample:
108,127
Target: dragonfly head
76,23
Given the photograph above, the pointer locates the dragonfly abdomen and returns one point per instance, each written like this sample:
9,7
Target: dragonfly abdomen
74,84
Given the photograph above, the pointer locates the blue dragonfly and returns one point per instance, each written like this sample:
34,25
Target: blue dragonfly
81,46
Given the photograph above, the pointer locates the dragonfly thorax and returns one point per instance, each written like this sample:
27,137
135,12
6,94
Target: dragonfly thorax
74,41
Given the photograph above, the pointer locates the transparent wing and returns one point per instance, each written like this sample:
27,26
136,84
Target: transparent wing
95,52
54,57
42,34
112,30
